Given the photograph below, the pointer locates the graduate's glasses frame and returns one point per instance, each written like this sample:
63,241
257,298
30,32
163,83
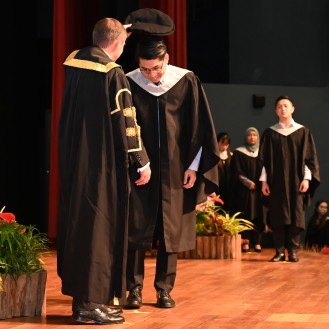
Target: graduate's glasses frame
155,69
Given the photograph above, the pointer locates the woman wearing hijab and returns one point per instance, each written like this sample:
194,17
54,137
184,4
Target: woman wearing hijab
245,179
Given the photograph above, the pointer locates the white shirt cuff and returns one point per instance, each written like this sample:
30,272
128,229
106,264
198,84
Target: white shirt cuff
144,167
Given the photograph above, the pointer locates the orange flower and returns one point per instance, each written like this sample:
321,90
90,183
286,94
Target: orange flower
215,198
211,201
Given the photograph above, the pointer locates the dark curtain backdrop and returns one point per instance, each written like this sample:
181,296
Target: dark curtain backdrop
73,21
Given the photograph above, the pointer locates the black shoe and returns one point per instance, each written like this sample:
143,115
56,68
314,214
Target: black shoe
96,316
259,249
134,299
245,247
164,300
292,257
279,257
111,310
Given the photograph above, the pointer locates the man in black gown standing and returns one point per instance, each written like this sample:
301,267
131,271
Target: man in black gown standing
290,175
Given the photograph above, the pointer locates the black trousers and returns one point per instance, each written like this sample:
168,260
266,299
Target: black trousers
165,270
166,263
287,236
78,305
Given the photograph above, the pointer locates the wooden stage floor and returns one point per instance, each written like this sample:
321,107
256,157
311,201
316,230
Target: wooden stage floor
252,293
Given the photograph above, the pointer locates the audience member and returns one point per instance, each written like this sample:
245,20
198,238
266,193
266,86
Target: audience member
224,172
317,233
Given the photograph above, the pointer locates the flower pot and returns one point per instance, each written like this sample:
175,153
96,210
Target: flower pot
220,247
215,247
232,246
25,296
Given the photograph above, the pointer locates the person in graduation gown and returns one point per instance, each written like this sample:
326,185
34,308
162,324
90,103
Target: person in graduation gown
179,136
290,175
317,233
224,171
98,137
247,188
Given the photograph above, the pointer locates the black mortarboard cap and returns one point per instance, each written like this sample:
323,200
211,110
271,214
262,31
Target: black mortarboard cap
150,21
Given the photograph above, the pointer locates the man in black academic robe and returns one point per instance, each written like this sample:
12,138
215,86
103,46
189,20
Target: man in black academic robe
97,132
290,176
178,134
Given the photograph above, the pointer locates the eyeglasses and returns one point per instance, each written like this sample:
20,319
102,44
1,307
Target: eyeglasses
155,69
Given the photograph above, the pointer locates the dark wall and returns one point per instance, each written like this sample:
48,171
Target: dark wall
279,42
208,39
272,42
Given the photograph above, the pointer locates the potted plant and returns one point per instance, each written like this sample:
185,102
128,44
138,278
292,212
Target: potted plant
212,219
22,273
217,231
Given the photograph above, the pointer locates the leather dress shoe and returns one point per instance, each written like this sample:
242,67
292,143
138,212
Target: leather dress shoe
111,310
134,299
164,300
278,257
258,249
97,316
292,257
245,247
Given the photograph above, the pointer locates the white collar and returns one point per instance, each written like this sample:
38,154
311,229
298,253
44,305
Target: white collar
286,130
172,75
245,151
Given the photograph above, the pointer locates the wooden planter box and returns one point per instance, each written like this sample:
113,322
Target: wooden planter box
215,247
24,297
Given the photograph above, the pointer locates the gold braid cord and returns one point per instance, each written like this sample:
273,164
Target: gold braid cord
129,112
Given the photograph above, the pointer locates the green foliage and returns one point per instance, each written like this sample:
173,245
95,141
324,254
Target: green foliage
21,248
235,225
213,220
208,222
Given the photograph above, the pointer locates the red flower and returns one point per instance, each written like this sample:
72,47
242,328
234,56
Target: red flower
7,217
325,250
210,202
